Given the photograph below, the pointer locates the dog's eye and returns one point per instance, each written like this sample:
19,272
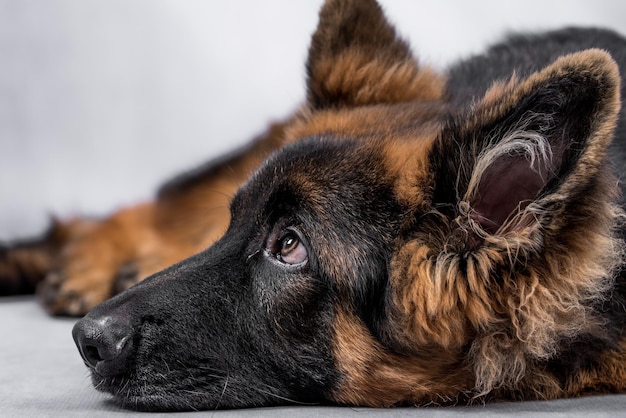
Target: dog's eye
291,250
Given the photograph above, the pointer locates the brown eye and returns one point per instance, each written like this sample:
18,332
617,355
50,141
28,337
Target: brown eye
288,244
291,249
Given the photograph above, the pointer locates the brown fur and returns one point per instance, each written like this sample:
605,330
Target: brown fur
347,70
375,376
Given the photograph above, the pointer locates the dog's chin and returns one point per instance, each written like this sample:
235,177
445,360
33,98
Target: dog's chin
141,394
160,403
130,393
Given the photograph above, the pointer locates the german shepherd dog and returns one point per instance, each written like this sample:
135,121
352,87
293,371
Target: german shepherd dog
406,238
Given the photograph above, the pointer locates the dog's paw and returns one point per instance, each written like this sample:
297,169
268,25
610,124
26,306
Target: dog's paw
91,272
85,274
72,294
58,298
108,258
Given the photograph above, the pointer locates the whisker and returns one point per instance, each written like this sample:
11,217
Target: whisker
219,401
284,398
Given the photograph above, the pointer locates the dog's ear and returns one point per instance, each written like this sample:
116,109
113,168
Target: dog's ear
529,150
357,59
516,241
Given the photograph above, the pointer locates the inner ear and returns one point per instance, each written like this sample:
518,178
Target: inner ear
512,174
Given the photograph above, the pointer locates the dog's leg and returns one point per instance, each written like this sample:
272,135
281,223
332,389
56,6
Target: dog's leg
84,272
80,262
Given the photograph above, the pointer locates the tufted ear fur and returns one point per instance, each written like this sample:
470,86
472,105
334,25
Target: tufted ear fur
357,59
520,245
530,150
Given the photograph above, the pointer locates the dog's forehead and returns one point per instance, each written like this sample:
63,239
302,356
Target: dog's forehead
395,138
378,151
335,174
319,168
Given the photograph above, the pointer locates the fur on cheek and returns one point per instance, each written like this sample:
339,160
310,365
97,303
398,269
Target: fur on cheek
512,301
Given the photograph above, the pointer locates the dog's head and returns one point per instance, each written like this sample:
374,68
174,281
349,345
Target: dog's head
399,251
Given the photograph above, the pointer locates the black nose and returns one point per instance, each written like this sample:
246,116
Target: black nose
105,343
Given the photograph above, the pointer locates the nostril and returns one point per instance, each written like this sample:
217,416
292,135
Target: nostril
91,355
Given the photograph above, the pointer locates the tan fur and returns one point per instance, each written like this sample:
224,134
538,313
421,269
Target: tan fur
370,81
361,69
374,376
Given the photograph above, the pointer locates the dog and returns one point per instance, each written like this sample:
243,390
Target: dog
407,237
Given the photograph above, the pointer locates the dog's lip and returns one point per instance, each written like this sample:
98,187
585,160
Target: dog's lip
145,395
106,369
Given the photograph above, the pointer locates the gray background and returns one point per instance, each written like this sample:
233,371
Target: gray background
102,100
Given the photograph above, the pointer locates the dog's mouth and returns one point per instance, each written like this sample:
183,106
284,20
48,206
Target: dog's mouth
151,389
141,372
157,379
